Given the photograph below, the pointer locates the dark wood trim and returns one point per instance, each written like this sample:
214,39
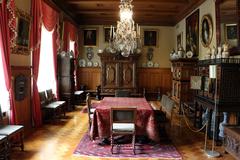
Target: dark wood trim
21,67
51,4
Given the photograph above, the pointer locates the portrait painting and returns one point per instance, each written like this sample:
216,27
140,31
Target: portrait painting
23,32
192,33
22,42
90,37
231,31
151,38
106,34
206,30
179,40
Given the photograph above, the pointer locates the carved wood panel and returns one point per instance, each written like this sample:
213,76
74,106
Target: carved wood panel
23,107
89,77
154,78
111,75
127,75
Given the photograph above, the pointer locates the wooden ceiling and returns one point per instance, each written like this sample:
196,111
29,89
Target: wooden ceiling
146,12
228,11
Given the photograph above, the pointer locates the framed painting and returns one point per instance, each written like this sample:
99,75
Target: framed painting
90,37
206,31
231,31
196,82
179,40
151,38
192,33
22,42
107,34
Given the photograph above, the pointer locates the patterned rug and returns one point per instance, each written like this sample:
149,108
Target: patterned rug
93,149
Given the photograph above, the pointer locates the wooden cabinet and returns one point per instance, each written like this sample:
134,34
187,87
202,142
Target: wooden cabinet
182,69
227,91
66,83
118,72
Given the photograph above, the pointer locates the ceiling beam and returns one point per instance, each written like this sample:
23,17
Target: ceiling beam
134,2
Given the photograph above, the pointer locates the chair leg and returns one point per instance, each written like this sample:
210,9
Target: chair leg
21,139
111,144
133,144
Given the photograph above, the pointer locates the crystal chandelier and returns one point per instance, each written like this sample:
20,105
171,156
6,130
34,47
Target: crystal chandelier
126,38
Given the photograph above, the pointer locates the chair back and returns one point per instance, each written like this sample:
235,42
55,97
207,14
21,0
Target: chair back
43,98
122,93
50,95
88,102
123,115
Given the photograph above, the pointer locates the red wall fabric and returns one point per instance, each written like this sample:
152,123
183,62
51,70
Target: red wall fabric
35,42
5,44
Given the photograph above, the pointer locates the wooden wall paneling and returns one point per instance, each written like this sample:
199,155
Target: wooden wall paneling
153,78
89,77
23,107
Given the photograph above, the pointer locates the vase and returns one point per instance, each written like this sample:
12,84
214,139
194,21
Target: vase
222,124
219,54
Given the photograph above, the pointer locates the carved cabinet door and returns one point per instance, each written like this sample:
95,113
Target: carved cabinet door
127,77
110,78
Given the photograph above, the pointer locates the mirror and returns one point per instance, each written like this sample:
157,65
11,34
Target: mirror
227,24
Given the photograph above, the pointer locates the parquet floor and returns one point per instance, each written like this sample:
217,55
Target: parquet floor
57,141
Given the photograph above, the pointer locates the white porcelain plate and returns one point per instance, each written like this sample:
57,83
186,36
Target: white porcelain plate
95,64
150,64
89,64
82,63
189,54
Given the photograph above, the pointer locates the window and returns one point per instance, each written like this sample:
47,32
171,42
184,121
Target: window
71,46
46,79
4,101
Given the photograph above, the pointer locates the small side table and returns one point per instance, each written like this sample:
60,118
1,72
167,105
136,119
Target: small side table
4,150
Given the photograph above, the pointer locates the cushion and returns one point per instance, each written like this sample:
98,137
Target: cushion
9,129
123,127
91,116
92,110
78,92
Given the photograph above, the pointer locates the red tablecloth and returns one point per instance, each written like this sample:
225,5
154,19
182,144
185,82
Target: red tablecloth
145,123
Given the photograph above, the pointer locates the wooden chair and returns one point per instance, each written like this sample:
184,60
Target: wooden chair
122,93
53,101
90,110
122,122
52,106
10,131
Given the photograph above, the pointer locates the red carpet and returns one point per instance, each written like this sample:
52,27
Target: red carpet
91,148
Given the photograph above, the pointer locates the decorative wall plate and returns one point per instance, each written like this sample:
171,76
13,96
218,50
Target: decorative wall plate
95,64
189,54
150,64
89,64
156,65
82,63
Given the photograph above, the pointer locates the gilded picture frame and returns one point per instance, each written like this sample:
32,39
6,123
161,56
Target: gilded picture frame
22,42
151,37
90,37
206,31
192,33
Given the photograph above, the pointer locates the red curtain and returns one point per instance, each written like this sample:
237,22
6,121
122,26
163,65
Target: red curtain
5,42
35,41
51,22
70,33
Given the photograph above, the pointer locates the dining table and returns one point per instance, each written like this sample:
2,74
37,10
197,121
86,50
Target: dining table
146,124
